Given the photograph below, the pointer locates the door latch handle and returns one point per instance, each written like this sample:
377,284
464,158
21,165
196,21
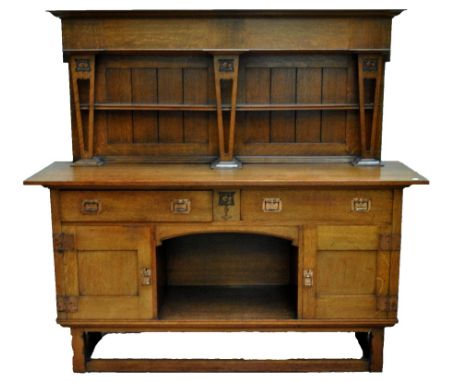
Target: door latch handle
308,278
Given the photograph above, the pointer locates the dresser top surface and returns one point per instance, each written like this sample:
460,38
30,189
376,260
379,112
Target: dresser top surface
144,176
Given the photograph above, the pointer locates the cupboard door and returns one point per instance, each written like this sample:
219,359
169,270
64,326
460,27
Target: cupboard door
345,273
109,272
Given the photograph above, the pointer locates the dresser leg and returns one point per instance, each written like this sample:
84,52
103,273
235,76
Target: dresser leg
83,344
79,350
376,344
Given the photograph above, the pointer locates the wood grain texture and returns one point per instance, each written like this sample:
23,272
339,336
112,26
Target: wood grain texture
62,174
316,206
352,30
148,242
220,259
227,365
315,325
225,303
104,275
78,346
144,90
136,207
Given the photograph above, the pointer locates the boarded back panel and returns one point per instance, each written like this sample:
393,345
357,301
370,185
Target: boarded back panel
195,93
119,90
170,91
334,90
144,90
227,259
309,90
257,124
283,90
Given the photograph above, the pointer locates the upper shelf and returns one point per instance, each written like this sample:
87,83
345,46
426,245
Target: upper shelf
239,107
162,31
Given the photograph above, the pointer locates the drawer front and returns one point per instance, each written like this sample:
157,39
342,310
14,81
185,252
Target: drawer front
363,206
136,206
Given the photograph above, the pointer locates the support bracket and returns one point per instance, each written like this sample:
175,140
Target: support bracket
82,69
370,79
226,68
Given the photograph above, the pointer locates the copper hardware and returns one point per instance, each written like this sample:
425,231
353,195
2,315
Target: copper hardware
387,304
226,200
68,304
361,205
181,206
226,65
145,274
370,64
389,242
308,278
82,65
272,205
90,207
64,242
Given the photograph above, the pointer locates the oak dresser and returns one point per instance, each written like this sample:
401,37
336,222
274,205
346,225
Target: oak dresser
226,176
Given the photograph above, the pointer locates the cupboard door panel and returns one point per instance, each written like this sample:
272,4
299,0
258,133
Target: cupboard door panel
350,272
104,272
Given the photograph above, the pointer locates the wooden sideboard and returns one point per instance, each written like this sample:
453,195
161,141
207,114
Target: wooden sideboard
226,176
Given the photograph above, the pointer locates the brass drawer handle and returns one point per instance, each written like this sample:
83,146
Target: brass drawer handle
361,205
90,206
181,206
272,205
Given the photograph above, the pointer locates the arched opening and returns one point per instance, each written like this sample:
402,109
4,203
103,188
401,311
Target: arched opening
217,276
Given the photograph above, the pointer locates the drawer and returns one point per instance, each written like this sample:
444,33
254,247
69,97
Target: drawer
363,206
136,206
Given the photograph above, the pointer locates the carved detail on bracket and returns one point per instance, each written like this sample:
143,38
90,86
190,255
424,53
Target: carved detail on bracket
226,65
370,65
82,65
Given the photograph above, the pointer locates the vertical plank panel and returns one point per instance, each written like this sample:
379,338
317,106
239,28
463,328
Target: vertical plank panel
119,90
283,90
144,88
309,258
394,272
352,132
334,90
257,124
170,91
309,90
353,141
195,92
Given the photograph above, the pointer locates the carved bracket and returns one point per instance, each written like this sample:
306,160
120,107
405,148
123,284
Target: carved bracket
82,70
370,71
226,68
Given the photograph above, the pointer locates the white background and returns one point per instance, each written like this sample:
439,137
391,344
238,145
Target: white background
425,126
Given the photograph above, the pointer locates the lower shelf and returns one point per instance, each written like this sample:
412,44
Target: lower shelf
227,303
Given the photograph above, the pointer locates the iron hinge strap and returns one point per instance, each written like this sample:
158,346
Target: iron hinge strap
64,242
387,303
389,242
